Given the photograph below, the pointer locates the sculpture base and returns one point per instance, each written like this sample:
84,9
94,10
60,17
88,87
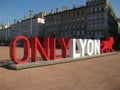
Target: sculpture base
14,66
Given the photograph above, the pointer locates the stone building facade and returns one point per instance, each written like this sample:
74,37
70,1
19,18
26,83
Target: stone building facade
95,20
118,26
68,23
28,27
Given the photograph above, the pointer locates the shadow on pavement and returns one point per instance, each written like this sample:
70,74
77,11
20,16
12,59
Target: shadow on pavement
2,62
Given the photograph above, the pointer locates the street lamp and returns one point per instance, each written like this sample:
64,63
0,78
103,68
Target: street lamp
31,11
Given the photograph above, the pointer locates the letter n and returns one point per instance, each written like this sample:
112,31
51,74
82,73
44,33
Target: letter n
44,51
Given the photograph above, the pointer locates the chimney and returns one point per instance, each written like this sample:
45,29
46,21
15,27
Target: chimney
24,17
74,6
2,25
52,12
42,14
15,21
64,8
57,10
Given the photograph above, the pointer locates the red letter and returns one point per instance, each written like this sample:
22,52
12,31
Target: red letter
26,50
43,51
64,45
53,48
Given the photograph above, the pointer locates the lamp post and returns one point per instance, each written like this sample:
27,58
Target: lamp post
31,11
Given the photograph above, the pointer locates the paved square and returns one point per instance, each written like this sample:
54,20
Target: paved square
94,74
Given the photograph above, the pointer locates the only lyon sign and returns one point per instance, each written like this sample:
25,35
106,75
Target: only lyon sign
68,46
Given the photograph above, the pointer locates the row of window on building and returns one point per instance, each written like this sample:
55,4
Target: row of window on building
96,17
79,34
49,23
67,15
96,25
96,10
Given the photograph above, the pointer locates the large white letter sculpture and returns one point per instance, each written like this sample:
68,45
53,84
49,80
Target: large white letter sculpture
85,47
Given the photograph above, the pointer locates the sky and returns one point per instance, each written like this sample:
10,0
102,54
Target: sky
16,9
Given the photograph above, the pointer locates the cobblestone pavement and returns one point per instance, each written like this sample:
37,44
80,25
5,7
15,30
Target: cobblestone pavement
93,74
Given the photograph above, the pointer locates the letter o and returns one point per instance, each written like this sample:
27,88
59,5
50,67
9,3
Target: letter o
26,50
90,47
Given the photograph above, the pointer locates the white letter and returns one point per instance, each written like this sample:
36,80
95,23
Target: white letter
72,49
83,44
90,47
97,46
